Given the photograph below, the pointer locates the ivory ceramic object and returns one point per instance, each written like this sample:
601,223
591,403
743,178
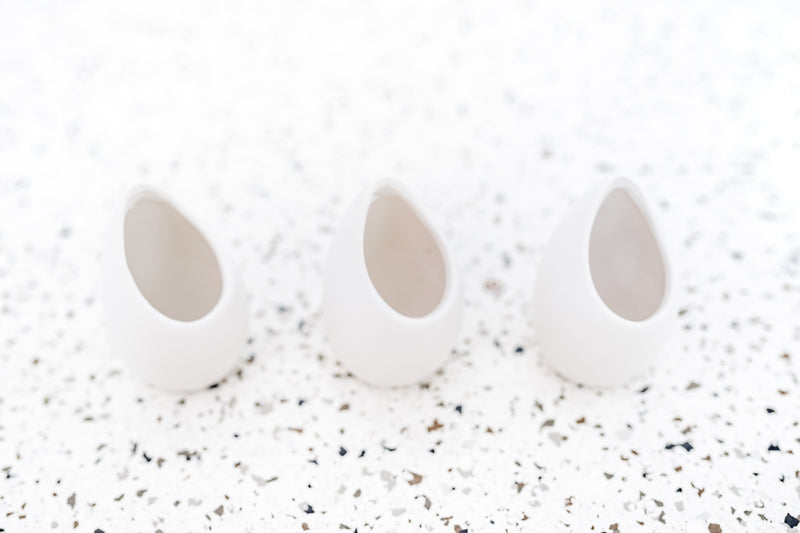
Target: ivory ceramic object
176,307
603,298
392,298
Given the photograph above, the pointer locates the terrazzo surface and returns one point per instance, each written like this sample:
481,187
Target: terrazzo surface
268,119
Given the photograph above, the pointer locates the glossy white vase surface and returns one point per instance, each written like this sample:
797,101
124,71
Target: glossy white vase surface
603,299
175,305
392,299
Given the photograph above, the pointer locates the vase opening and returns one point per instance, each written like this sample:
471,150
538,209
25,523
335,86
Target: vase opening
403,258
171,262
627,267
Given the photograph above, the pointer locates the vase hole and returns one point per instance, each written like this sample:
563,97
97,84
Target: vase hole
625,259
403,259
171,262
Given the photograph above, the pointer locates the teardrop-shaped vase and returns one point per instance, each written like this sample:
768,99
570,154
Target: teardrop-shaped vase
603,300
175,306
392,298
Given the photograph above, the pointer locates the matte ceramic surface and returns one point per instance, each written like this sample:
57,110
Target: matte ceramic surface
176,308
603,298
392,298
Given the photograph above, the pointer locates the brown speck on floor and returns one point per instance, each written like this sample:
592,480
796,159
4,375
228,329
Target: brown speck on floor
435,425
416,479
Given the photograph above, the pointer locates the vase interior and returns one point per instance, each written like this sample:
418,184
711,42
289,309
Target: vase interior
171,262
403,258
626,263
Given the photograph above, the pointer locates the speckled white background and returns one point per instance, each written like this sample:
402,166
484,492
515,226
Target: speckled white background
269,118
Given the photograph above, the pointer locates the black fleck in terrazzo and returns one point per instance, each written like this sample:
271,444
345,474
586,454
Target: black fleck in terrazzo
498,117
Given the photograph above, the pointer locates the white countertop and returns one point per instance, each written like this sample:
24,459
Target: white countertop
269,119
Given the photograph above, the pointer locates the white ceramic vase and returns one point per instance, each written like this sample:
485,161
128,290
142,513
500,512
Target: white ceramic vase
176,306
603,299
393,298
